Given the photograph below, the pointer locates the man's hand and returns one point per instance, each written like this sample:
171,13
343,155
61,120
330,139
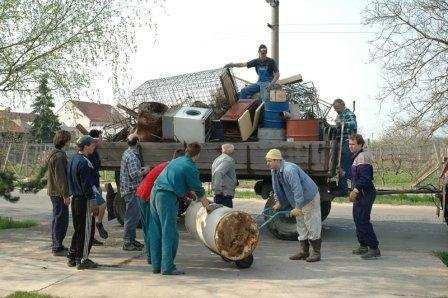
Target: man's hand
296,212
228,65
338,122
353,196
205,202
94,207
276,206
67,201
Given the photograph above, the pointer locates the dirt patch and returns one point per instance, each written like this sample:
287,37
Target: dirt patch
237,235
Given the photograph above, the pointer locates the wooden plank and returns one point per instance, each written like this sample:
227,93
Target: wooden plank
290,80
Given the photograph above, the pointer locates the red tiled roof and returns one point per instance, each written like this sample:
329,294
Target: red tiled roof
94,111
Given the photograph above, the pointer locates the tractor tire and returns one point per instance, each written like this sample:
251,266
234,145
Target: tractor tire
284,228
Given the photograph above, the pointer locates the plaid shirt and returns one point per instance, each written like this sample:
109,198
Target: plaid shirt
130,171
349,118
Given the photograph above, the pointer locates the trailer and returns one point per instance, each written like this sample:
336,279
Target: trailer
318,158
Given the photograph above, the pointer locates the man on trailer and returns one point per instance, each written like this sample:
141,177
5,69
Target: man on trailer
346,121
267,71
293,187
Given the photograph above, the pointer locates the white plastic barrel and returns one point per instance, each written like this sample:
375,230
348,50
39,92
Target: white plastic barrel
230,233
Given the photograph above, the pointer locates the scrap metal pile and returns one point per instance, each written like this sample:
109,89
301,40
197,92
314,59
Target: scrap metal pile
204,106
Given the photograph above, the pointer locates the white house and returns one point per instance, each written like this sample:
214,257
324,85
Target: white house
90,115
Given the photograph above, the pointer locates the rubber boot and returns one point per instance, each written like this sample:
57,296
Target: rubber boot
303,252
315,252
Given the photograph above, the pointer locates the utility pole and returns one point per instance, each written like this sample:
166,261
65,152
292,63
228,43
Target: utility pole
274,26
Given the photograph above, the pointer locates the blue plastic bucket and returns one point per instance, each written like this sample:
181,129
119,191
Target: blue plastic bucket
272,116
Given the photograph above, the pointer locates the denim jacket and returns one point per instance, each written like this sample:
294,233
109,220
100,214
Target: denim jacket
292,186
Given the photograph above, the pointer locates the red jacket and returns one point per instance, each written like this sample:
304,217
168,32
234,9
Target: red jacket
145,187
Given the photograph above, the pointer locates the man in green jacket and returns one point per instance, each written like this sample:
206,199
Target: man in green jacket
57,190
179,177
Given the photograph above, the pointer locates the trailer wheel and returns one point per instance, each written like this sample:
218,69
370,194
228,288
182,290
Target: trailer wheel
245,263
285,228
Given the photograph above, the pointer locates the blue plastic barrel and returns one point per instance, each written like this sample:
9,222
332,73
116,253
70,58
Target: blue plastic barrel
272,116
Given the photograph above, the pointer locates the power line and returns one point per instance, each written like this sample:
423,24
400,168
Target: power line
326,32
322,24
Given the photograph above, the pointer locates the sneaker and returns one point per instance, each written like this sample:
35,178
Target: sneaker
71,262
138,244
101,230
131,247
96,242
175,272
371,254
360,250
86,264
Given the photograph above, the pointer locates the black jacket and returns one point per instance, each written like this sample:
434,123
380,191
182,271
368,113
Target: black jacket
80,179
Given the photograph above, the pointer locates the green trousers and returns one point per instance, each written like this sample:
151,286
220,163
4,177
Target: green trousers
145,215
163,234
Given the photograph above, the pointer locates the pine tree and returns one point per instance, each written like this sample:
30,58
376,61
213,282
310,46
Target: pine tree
45,123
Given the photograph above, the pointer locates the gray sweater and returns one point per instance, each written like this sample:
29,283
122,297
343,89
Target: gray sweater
224,179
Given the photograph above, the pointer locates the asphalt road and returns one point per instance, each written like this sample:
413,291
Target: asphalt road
408,237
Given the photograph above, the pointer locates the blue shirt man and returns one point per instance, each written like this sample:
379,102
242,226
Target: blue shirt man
267,71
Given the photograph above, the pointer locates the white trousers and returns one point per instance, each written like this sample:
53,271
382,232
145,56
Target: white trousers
309,225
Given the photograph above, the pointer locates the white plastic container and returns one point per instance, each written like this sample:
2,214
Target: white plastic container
192,124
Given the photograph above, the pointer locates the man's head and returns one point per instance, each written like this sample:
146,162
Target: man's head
227,149
274,159
132,140
85,145
338,105
355,143
262,52
178,153
193,150
96,135
61,139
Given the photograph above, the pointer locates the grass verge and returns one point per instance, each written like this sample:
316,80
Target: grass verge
401,199
21,294
443,256
9,223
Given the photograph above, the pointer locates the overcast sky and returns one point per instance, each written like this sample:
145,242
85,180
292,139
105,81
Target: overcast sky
321,39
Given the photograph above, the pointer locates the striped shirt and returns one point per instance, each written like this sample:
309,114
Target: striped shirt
130,171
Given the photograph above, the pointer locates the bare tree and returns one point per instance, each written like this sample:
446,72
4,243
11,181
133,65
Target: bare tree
412,47
68,40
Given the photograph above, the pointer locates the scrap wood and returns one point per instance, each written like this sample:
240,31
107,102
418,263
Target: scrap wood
290,80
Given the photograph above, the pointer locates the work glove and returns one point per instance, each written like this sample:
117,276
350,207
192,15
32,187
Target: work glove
276,206
296,212
353,196
228,65
212,207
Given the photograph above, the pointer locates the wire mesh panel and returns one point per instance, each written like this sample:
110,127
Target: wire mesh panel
305,94
181,90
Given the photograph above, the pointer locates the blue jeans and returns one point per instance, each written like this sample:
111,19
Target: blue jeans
59,224
163,234
131,218
224,200
362,208
248,91
145,214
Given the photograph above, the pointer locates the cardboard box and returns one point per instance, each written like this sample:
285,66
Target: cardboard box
278,95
